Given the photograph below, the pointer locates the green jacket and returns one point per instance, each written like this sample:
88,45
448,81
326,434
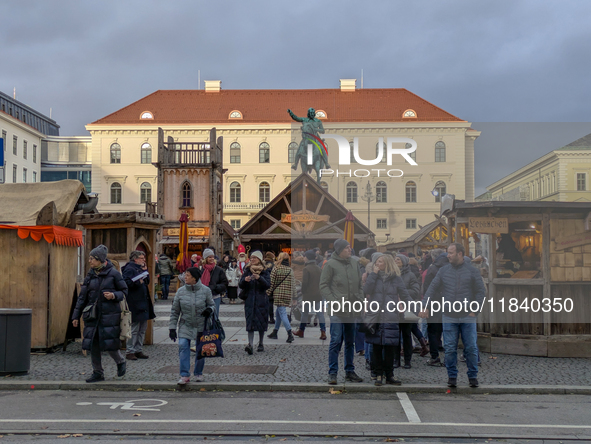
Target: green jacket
341,280
166,265
189,302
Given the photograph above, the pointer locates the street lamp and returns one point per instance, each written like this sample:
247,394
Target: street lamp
368,197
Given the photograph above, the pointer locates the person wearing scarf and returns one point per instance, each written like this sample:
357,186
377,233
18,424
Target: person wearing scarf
214,277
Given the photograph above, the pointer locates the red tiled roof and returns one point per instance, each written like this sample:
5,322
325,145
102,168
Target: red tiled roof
270,106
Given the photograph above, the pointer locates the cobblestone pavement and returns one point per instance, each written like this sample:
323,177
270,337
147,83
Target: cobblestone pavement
303,364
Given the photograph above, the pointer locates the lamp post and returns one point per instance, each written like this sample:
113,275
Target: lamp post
368,197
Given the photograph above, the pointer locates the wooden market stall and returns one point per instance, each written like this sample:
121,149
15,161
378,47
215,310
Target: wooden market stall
538,275
40,247
432,235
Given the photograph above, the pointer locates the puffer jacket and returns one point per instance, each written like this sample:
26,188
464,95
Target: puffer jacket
440,262
341,279
282,287
456,283
218,283
411,282
386,291
138,295
166,265
109,311
185,315
256,301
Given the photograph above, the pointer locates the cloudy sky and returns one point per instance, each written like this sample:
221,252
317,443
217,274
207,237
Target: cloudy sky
484,61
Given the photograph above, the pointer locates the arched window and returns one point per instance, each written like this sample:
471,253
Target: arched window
292,149
412,155
235,152
411,191
409,113
351,145
324,185
264,192
440,152
264,153
440,190
383,151
145,192
235,192
147,115
186,195
116,193
351,192
320,114
235,115
146,153
381,192
115,153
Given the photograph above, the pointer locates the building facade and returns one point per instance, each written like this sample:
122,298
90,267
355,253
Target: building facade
260,142
561,175
22,129
67,157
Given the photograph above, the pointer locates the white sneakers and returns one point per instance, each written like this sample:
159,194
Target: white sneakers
185,379
198,378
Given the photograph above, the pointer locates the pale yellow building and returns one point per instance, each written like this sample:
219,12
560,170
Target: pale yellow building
561,175
260,140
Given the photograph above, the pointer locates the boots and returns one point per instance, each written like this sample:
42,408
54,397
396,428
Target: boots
323,335
424,347
273,335
290,337
299,333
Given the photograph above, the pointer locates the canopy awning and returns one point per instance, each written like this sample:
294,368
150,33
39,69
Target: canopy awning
175,240
61,235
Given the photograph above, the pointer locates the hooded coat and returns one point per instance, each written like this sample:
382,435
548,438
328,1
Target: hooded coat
138,295
107,325
386,291
166,265
256,301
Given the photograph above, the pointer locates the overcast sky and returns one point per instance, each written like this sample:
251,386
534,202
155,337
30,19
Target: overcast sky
483,61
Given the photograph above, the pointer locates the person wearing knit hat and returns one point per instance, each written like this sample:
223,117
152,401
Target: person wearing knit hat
100,253
214,277
340,281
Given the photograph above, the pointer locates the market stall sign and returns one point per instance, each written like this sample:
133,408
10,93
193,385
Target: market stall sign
575,240
192,231
303,217
488,225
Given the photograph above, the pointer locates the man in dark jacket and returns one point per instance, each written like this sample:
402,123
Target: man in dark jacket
340,282
140,304
311,294
463,294
166,273
434,325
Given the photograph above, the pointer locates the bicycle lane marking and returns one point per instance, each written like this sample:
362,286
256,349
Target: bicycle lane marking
409,410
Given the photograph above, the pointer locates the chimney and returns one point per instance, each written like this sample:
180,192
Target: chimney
213,85
348,84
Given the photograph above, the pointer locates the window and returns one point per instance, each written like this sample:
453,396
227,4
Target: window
24,175
324,185
320,114
145,192
351,192
186,195
383,159
235,152
13,173
116,193
381,192
440,191
24,149
411,192
235,115
236,223
440,152
292,149
146,153
264,192
264,152
409,113
4,138
411,224
382,224
34,176
14,143
34,153
115,153
147,115
351,146
581,182
412,155
235,192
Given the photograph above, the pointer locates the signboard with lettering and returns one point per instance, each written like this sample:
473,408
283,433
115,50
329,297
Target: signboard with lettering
303,217
192,231
575,240
488,225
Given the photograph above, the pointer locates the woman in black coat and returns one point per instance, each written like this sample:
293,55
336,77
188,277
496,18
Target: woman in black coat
254,284
105,287
384,286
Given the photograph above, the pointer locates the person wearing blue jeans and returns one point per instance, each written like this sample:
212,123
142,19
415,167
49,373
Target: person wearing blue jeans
339,332
281,317
185,360
453,328
165,280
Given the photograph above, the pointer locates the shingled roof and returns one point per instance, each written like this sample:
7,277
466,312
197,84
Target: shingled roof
270,106
584,143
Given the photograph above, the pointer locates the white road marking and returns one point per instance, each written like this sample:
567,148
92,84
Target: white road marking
130,405
409,409
84,403
259,422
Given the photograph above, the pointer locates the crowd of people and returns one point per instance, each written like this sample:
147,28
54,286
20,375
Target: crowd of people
305,282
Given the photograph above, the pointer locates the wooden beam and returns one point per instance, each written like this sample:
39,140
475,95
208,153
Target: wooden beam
326,227
510,281
319,205
279,223
287,204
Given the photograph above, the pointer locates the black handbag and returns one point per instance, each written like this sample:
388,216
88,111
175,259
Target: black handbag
90,313
369,327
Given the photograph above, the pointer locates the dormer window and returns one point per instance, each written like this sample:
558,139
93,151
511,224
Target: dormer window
409,113
147,115
235,115
320,114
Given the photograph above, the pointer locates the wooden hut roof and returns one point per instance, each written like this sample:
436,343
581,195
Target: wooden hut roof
418,237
